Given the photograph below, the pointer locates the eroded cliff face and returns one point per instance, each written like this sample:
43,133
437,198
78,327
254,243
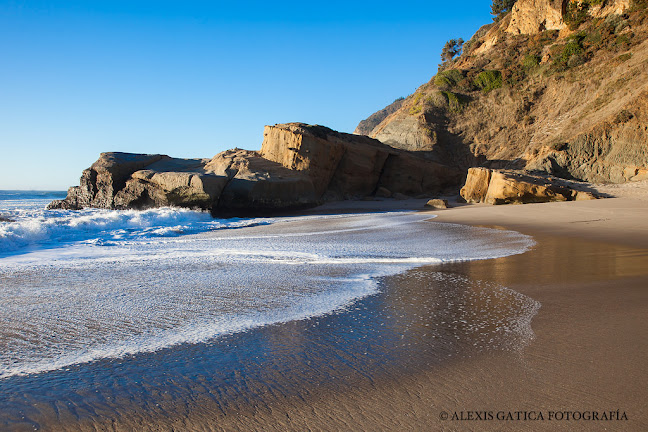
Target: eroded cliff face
534,16
545,88
298,166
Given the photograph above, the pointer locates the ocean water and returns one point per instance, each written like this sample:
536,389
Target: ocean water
87,291
34,228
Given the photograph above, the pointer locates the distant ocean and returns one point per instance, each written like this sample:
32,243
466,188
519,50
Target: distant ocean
88,294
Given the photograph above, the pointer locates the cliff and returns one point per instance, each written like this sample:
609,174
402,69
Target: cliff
555,86
298,166
367,125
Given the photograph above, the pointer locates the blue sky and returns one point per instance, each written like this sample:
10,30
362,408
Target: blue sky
193,78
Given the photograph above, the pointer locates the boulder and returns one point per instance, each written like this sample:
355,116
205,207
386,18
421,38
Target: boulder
476,187
383,192
123,180
515,187
317,150
437,204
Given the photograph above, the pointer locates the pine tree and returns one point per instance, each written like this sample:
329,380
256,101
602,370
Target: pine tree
451,49
498,7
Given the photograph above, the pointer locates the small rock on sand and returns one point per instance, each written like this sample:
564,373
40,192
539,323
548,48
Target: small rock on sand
437,203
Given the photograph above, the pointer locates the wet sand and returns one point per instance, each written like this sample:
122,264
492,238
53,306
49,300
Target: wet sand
346,372
588,270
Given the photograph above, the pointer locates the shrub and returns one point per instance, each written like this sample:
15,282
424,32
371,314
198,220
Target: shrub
489,80
573,47
448,79
558,146
576,60
513,75
415,109
624,116
466,84
622,42
530,61
638,5
539,40
624,57
436,100
594,38
576,14
456,102
416,106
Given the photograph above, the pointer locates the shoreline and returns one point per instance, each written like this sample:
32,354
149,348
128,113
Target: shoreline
614,220
586,353
588,271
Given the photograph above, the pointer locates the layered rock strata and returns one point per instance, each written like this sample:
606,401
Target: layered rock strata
298,166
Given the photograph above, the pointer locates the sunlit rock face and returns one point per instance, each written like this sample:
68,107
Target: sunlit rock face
298,166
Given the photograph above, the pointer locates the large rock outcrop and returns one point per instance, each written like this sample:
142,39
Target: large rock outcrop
124,180
298,166
531,17
534,16
488,186
344,166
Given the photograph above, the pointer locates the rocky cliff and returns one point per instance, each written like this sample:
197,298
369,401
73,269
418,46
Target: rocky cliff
366,126
555,86
298,166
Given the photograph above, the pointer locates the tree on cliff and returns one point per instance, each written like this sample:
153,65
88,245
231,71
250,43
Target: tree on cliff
500,7
451,49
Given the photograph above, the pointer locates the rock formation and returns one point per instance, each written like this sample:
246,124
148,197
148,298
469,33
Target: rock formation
437,204
509,187
555,85
298,166
534,16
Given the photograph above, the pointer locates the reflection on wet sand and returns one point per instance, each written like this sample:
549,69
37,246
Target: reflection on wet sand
438,336
422,318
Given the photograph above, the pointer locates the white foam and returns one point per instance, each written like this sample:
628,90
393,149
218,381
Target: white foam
83,301
38,228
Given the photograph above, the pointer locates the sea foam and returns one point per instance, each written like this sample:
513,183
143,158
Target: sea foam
37,228
81,302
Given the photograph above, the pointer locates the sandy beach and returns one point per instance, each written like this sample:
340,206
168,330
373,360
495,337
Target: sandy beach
288,217
584,359
588,270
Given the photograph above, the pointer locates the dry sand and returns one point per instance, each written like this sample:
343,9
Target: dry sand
588,270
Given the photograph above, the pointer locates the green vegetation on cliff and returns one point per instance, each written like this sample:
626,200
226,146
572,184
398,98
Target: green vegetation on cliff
571,100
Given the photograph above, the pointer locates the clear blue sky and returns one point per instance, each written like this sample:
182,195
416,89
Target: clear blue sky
193,78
